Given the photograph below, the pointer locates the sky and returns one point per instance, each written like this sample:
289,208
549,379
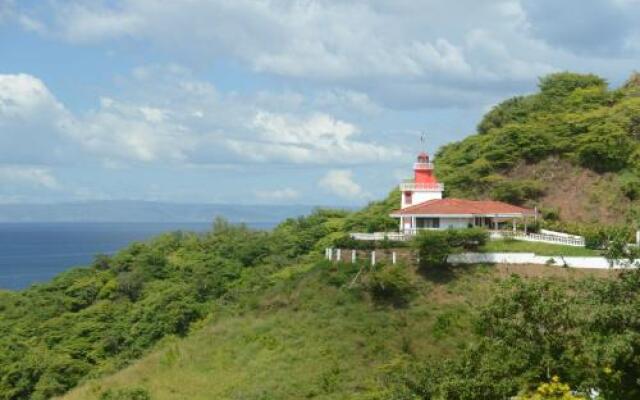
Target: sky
271,102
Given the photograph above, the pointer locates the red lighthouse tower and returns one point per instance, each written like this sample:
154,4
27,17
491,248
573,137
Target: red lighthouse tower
424,185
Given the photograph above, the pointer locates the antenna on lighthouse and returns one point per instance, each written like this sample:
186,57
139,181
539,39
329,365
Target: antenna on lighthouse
423,140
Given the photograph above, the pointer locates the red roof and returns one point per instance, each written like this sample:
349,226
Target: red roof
462,207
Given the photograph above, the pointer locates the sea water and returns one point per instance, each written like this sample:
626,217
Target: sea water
36,252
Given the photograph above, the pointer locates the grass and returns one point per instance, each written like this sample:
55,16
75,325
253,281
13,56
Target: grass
543,249
310,336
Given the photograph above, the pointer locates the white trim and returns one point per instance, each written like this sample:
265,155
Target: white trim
506,215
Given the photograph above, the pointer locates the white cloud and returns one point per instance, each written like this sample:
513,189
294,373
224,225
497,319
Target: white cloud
359,45
22,96
277,195
32,122
316,139
129,132
345,99
170,117
93,21
340,183
28,175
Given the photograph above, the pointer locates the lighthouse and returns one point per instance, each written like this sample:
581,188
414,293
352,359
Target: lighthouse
424,186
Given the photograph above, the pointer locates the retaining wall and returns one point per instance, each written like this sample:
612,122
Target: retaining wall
410,256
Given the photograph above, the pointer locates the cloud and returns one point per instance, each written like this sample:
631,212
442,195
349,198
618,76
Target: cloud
28,175
340,183
315,139
359,46
593,27
121,131
171,117
277,195
32,122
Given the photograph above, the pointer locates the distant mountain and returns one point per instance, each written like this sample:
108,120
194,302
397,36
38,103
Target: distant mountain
147,211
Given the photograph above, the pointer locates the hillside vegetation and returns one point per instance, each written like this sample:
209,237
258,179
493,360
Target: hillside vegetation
573,148
237,313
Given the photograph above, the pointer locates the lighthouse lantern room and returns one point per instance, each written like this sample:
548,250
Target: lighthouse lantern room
424,186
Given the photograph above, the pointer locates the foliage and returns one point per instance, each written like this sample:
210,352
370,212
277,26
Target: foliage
517,192
435,246
585,331
573,117
375,216
391,283
346,242
554,390
95,320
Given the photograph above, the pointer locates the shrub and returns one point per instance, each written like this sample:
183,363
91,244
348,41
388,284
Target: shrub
435,246
347,242
517,192
467,239
391,283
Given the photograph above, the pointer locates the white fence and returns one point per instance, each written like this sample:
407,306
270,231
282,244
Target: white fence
567,240
531,258
395,236
501,258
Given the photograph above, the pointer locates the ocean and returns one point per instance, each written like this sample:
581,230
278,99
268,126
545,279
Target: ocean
36,252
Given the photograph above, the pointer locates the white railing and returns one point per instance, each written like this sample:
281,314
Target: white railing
394,236
411,186
576,241
407,234
415,231
423,165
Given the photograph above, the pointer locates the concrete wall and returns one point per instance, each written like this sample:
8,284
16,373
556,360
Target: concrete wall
531,258
410,257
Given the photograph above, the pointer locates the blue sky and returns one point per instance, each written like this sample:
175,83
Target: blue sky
278,102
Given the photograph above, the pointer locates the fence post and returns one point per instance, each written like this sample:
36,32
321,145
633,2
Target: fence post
373,257
353,256
330,253
393,257
338,254
326,253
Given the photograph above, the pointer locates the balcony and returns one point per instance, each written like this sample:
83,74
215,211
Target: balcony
422,165
427,187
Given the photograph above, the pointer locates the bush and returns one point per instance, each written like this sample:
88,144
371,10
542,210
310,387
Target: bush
347,242
391,283
435,246
467,239
517,192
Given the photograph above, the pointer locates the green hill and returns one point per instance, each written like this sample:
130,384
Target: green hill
237,313
573,148
311,337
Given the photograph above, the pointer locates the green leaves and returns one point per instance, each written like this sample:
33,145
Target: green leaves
574,117
587,332
435,246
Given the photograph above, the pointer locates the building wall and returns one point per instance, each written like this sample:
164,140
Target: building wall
456,223
420,197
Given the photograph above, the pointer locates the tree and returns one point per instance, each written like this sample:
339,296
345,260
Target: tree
554,390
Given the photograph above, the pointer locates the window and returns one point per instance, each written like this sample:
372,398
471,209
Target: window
427,222
407,198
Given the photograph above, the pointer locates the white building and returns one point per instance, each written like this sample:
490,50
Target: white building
423,206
